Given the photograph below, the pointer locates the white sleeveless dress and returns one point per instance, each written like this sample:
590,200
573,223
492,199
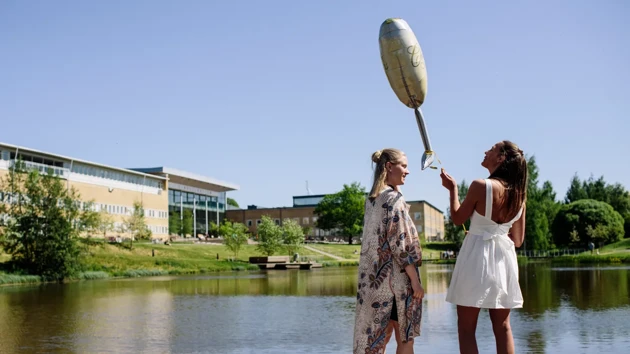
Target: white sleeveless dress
486,271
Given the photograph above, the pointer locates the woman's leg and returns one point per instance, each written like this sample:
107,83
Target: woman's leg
401,348
466,328
502,331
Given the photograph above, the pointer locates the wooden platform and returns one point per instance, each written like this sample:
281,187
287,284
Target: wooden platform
284,266
270,259
281,262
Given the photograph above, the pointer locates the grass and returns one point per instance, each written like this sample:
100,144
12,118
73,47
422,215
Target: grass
430,251
103,260
118,260
618,252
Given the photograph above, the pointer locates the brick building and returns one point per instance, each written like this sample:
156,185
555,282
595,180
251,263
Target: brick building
428,219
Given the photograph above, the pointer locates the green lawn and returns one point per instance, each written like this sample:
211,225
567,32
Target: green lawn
176,258
429,251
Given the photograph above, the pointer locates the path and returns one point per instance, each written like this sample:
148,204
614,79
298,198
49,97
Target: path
324,253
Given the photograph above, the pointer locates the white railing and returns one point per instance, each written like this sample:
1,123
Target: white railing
550,253
61,172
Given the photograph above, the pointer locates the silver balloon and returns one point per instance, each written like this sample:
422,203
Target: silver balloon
406,72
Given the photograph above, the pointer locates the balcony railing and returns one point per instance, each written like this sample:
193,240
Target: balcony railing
61,172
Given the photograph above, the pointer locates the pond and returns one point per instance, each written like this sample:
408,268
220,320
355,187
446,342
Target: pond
567,310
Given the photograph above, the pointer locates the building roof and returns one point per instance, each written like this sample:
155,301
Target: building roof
62,157
427,203
181,177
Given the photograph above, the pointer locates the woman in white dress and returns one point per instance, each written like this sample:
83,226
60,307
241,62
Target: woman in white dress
486,271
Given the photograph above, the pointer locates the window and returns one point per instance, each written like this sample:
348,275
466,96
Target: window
258,221
304,221
419,228
417,215
249,223
277,221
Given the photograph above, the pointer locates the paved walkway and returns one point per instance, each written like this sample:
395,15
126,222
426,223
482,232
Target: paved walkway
324,253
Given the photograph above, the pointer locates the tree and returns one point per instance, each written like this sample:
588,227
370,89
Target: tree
269,236
175,223
187,223
541,210
292,236
136,224
232,202
586,220
234,236
106,223
452,232
614,194
43,223
343,211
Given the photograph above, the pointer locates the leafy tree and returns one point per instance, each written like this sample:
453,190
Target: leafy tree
343,211
232,202
136,224
89,221
43,224
269,236
541,210
175,223
187,223
292,236
214,229
106,223
234,236
586,220
614,194
452,232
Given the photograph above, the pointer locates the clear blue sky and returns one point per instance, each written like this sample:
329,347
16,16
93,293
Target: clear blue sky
269,94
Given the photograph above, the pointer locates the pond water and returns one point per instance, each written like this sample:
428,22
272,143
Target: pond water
567,310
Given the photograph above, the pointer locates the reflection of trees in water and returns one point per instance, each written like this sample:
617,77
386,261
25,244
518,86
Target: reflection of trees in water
594,288
538,290
585,288
536,342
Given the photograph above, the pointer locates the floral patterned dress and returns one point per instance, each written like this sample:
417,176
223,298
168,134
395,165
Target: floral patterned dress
390,242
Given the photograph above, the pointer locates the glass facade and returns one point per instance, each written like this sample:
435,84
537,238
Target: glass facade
312,200
179,201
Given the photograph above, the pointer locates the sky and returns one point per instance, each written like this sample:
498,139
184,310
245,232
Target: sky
271,94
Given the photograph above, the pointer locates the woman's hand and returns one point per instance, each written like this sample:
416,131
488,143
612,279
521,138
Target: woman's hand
448,181
418,290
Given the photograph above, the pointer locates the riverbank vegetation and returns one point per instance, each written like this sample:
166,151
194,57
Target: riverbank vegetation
593,212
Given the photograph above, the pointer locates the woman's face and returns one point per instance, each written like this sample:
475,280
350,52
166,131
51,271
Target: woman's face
493,158
397,171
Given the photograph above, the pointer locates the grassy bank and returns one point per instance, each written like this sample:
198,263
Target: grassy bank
430,251
618,252
103,260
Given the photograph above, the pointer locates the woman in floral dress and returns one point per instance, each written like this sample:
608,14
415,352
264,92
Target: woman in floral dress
389,296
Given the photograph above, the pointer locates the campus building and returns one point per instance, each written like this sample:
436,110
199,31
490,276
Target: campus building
427,218
114,189
204,197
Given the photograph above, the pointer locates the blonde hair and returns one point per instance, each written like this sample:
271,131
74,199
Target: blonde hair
380,159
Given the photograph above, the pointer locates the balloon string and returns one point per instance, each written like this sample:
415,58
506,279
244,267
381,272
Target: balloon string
435,168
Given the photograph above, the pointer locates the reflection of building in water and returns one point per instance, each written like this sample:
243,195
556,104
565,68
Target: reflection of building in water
436,280
10,326
142,322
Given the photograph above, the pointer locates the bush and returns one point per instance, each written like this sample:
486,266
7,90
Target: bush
586,220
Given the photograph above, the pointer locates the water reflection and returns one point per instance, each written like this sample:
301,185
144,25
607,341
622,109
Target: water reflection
567,310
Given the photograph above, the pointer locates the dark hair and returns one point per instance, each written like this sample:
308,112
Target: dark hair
513,173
